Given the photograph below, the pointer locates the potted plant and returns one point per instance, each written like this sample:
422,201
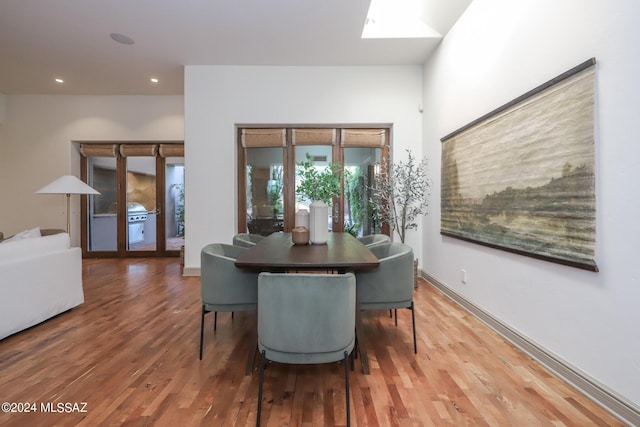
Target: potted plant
320,185
400,195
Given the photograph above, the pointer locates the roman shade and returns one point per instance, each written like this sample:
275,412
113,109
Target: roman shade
99,150
171,150
314,136
374,138
253,138
127,150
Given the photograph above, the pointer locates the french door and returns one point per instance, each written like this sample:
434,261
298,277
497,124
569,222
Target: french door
268,159
140,208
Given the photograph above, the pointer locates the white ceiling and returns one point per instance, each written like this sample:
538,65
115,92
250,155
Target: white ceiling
44,39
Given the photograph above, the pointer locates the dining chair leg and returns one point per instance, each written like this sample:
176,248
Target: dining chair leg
260,383
355,348
352,359
202,330
346,387
390,314
215,320
395,311
413,320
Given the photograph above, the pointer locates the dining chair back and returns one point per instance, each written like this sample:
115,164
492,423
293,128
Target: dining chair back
246,240
374,239
306,319
390,286
224,287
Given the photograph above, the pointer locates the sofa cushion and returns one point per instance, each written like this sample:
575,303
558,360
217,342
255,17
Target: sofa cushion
23,248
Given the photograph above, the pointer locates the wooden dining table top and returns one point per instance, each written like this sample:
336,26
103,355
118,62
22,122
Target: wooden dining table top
276,252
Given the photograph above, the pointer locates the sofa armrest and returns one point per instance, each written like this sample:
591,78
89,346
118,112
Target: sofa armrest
37,288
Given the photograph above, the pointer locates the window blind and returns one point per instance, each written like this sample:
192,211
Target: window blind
171,150
252,138
99,150
314,136
374,138
127,150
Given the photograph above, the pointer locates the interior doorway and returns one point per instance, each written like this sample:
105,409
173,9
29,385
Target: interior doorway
140,208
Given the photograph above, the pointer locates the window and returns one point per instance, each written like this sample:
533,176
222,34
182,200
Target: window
267,178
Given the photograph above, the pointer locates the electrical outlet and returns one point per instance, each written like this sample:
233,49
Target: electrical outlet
463,276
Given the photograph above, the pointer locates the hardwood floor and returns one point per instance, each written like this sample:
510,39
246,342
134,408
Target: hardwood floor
130,352
172,244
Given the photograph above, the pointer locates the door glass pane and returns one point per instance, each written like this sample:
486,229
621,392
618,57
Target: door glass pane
141,203
174,206
265,184
102,211
321,157
359,167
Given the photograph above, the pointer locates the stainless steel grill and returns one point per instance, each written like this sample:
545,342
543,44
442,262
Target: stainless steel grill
136,217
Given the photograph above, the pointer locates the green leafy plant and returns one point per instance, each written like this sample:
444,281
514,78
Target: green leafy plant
316,183
179,208
355,200
400,194
275,188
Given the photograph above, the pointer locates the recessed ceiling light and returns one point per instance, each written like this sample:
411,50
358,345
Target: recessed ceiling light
153,80
58,80
121,38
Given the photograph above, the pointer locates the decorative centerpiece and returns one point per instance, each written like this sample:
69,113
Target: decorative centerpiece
320,185
300,236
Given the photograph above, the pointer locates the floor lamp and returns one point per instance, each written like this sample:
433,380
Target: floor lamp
67,184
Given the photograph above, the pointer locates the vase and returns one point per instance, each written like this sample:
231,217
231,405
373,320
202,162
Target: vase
300,236
318,222
302,218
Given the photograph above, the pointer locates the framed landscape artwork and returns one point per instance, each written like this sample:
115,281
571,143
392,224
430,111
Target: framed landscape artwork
521,178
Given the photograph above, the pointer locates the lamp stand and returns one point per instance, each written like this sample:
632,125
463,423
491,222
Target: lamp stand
69,214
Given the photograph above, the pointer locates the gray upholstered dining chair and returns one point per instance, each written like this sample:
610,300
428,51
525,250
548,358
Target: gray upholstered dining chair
224,287
374,239
246,240
306,319
390,286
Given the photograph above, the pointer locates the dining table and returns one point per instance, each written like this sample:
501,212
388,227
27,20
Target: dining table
341,253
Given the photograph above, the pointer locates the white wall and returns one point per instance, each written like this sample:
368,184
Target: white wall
219,97
3,108
499,50
36,147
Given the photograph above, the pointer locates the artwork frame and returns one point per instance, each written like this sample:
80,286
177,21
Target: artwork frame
521,178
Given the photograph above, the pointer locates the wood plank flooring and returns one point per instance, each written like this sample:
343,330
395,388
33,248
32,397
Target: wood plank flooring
130,352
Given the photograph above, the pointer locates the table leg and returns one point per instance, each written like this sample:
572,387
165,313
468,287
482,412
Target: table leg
362,343
251,357
253,345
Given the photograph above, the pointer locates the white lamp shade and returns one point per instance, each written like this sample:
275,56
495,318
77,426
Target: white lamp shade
67,184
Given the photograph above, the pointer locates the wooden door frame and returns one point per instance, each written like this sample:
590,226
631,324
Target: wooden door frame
121,212
289,196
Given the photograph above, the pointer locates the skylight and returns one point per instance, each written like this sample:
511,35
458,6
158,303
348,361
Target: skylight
396,19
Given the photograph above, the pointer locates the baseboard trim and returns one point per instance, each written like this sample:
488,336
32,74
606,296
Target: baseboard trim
619,407
191,271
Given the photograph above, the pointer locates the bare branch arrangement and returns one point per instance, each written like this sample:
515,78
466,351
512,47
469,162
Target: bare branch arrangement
400,194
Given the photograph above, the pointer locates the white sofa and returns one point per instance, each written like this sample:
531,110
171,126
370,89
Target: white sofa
40,277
